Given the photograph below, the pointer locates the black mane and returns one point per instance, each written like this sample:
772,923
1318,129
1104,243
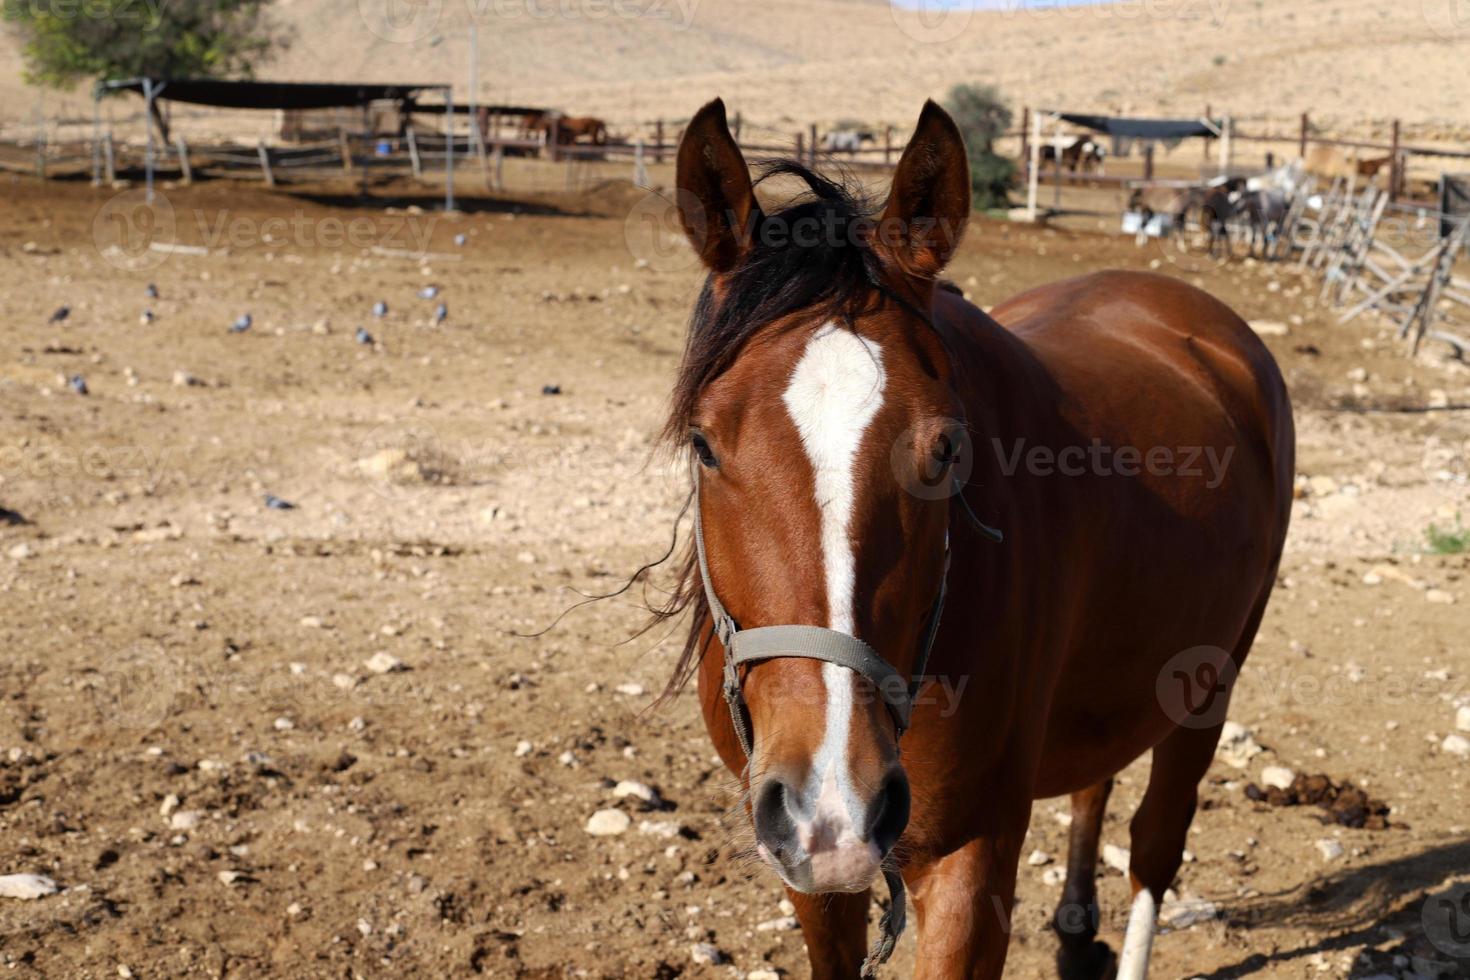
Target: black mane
810,255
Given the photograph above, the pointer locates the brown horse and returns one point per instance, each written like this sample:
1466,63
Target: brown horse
854,427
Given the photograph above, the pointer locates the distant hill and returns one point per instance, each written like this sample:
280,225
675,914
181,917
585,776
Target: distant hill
786,63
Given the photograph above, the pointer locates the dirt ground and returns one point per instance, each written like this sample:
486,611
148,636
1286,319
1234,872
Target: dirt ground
194,747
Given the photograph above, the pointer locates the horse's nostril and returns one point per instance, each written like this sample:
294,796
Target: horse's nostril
773,824
889,814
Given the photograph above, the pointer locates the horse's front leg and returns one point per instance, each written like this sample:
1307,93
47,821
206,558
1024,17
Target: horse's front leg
835,927
963,905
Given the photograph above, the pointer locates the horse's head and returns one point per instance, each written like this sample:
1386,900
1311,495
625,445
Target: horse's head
818,405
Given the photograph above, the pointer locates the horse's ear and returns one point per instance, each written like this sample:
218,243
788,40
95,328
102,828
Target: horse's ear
716,199
929,201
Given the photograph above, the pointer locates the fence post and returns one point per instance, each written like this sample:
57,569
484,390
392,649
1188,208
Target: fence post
1025,138
813,151
738,122
1395,169
1306,128
109,160
413,155
183,149
553,138
265,163
346,146
800,147
658,141
1148,160
888,145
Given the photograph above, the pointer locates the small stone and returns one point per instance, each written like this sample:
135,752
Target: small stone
26,886
785,923
231,878
1053,876
1330,849
666,829
1462,718
1456,745
21,552
762,973
608,823
384,662
169,805
365,927
523,749
1038,859
1237,745
630,689
283,724
124,971
344,681
1116,857
639,791
706,954
1440,597
184,820
1279,777
312,622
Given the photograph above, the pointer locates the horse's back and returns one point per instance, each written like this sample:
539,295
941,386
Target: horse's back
1176,551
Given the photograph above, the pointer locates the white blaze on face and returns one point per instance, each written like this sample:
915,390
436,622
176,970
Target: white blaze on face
835,392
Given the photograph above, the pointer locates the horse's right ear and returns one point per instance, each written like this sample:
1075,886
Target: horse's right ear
716,199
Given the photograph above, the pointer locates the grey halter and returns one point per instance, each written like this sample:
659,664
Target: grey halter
833,647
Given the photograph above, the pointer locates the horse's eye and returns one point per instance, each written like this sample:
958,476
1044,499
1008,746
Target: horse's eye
946,450
702,450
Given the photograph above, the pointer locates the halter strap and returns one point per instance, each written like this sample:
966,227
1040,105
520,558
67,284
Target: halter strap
833,647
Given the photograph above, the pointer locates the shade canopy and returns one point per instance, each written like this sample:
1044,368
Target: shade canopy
1145,129
270,95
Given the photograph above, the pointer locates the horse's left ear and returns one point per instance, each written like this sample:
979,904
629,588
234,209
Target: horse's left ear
929,202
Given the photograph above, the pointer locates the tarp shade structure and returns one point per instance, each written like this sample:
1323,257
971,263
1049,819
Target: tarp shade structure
272,95
1168,130
1454,202
438,108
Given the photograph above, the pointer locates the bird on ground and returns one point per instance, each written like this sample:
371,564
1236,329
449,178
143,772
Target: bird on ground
276,503
363,337
60,315
151,292
380,309
243,324
441,313
78,384
146,318
428,292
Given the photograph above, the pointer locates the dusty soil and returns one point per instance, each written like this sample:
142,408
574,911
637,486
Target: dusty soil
193,747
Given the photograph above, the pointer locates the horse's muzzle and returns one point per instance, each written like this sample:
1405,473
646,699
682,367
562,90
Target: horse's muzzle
832,842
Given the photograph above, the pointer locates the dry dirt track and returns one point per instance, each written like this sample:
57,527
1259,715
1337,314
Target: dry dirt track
192,747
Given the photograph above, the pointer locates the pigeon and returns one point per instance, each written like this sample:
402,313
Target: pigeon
363,337
146,318
241,325
276,503
428,292
380,308
551,389
151,292
78,384
441,313
60,315
460,239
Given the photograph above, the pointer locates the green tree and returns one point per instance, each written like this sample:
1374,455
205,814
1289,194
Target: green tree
69,41
983,117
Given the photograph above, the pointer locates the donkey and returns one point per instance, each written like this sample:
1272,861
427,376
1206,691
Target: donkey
864,443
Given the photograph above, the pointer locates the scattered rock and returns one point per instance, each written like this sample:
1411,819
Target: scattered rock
184,819
384,662
1277,777
1038,859
1462,718
1053,876
1187,911
1456,745
1269,328
639,791
608,823
706,954
1116,857
20,552
785,923
1330,849
1237,745
26,886
1440,597
631,690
